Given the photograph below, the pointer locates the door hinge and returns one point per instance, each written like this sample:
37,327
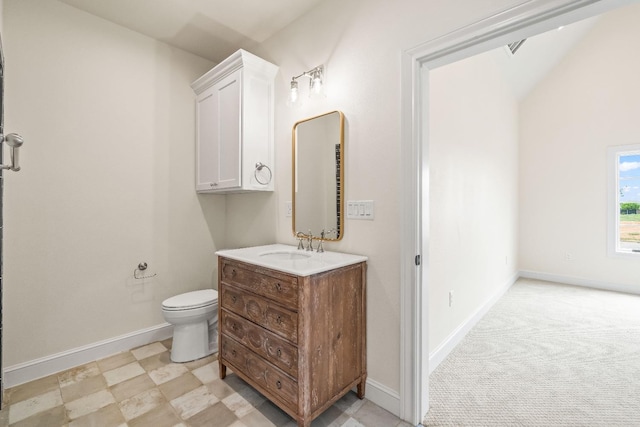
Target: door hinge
417,260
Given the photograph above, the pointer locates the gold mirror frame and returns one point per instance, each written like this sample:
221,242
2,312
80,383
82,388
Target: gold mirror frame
339,202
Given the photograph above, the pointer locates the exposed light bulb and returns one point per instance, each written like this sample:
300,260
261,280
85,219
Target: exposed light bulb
316,84
293,94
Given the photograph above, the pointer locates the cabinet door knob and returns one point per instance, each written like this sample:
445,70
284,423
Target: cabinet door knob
278,384
278,287
233,273
279,352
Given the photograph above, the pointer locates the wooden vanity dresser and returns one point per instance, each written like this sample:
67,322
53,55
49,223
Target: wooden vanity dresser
298,340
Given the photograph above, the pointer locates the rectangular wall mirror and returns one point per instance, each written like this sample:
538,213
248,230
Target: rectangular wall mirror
318,176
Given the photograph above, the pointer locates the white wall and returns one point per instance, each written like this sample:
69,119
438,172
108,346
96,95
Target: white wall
117,106
107,181
588,103
473,155
360,42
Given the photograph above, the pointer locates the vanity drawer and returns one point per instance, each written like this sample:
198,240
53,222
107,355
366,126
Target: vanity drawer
268,283
268,345
261,372
260,310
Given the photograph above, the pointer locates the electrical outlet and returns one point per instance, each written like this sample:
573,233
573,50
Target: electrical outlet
288,209
451,298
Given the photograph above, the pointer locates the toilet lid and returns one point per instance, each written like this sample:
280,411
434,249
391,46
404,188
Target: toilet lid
193,299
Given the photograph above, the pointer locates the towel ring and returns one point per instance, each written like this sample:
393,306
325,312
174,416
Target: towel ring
259,167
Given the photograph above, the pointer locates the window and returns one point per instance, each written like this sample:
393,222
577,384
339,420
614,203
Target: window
624,201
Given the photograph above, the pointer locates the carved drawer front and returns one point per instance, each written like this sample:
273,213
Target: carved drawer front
233,352
266,344
261,311
271,284
263,373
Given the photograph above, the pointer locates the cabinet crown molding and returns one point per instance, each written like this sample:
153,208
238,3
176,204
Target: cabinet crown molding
240,59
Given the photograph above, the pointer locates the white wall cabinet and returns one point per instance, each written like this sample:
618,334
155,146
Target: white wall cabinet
234,126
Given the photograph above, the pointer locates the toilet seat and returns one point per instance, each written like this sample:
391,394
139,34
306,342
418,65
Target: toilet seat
191,300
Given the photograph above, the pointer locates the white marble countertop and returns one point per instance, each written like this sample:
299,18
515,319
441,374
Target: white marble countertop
289,259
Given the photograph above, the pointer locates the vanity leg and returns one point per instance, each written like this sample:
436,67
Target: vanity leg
223,370
361,386
304,423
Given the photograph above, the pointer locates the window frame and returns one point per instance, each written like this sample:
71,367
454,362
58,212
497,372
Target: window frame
613,200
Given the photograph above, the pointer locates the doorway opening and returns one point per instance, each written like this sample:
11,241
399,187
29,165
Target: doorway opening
517,23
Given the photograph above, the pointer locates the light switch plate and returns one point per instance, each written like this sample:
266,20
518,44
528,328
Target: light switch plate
360,209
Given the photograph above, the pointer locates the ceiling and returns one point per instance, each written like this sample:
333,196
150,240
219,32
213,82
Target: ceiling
539,54
212,29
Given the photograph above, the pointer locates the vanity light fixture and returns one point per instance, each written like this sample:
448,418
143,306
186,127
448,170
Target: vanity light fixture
316,83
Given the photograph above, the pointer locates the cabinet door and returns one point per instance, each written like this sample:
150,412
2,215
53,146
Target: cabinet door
218,136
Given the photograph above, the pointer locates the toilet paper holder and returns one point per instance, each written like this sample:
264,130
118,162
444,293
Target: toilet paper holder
142,267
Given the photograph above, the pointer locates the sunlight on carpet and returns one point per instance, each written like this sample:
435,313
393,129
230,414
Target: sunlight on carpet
545,355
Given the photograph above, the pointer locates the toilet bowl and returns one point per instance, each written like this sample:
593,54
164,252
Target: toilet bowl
194,316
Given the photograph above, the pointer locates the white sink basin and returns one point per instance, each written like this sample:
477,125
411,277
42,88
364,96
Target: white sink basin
289,259
285,255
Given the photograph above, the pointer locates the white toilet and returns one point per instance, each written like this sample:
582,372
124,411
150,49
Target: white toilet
194,316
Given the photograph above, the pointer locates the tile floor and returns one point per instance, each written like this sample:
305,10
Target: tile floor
142,387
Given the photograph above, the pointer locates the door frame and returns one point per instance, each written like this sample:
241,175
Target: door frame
516,23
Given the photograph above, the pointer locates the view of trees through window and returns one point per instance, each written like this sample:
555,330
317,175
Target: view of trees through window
629,200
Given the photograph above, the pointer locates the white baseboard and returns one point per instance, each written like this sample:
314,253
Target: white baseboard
376,392
443,350
383,396
39,368
439,354
15,375
580,281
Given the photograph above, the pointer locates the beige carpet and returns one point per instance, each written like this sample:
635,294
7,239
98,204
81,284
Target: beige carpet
545,355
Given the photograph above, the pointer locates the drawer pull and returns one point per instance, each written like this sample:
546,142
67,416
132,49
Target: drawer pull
233,299
278,287
278,384
279,319
234,326
233,353
233,273
279,352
